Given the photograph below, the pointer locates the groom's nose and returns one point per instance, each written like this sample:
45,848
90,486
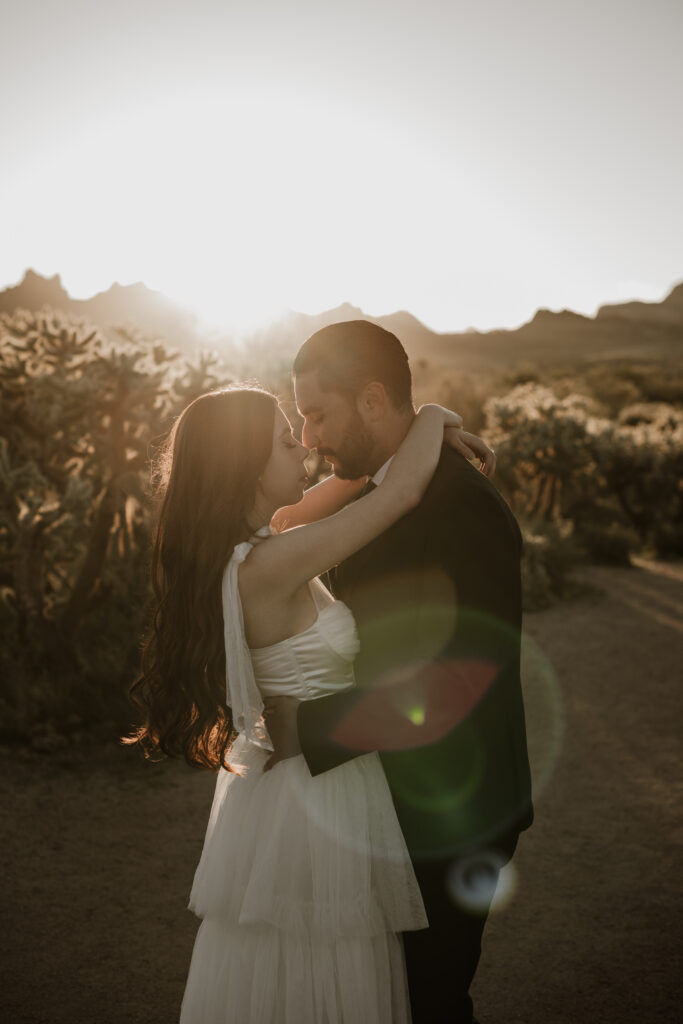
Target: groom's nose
309,436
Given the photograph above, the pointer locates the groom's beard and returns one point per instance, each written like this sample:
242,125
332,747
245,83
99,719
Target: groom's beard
353,455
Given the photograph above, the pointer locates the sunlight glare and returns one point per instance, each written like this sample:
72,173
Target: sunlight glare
240,209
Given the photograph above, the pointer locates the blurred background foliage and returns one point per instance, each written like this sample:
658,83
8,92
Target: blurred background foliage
591,461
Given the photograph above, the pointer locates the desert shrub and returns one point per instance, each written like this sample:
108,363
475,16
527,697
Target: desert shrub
549,556
610,389
661,416
657,382
619,483
78,420
617,384
523,373
640,459
541,442
610,543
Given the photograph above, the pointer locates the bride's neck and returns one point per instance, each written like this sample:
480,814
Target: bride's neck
259,516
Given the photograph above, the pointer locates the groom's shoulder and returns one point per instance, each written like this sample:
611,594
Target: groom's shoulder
456,481
459,490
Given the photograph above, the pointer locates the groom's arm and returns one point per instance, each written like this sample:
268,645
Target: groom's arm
318,725
317,728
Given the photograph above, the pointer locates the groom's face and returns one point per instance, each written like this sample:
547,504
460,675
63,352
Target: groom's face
334,426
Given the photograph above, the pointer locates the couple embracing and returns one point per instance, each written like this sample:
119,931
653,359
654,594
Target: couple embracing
368,734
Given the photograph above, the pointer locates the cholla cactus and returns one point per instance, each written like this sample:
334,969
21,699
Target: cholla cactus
560,461
541,441
77,418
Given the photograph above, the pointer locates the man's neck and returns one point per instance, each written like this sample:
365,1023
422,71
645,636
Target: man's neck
389,442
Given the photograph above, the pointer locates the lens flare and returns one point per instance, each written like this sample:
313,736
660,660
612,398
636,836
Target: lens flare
424,782
443,708
416,705
506,888
544,713
417,715
481,882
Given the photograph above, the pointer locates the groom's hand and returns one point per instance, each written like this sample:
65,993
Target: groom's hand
279,714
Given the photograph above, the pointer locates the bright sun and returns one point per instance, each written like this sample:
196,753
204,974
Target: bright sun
242,209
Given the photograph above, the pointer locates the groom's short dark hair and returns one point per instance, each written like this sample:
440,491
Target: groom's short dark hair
348,355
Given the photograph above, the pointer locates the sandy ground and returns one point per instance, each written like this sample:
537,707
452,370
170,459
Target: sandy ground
98,850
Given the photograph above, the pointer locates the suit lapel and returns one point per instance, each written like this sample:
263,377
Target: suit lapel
404,533
360,565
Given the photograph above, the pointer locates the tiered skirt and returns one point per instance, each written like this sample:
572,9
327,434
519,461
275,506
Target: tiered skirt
303,886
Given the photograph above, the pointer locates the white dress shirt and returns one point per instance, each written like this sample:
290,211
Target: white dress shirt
381,472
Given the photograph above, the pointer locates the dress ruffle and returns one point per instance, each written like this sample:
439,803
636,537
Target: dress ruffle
322,857
248,975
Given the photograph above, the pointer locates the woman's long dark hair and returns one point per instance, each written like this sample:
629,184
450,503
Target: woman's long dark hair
204,480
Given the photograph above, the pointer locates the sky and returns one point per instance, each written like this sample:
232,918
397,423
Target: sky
467,162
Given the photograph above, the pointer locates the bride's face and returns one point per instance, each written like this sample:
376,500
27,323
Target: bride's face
283,480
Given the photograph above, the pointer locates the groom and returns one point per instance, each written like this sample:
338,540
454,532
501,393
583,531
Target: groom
438,605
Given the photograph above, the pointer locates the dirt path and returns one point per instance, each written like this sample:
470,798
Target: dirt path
593,933
98,851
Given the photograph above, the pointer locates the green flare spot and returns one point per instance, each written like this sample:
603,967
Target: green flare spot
417,715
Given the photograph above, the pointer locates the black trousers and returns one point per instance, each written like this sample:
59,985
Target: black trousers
442,959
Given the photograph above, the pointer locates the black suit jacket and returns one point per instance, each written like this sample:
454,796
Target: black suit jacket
437,600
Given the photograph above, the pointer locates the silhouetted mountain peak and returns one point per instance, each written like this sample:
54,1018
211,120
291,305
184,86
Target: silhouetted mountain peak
34,280
544,316
675,296
547,323
120,304
33,277
668,311
345,312
402,316
548,335
136,297
33,292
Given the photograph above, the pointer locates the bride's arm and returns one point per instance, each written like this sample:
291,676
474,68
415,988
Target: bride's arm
323,499
332,493
290,559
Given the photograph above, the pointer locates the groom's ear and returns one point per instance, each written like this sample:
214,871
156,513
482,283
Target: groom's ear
373,401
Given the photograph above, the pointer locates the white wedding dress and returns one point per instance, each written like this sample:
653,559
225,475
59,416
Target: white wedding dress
304,884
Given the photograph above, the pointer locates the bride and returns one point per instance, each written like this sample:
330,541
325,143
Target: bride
304,884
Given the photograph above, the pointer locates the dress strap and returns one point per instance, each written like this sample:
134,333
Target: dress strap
242,693
262,533
320,594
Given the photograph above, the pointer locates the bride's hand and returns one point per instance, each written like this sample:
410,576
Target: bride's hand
472,447
469,445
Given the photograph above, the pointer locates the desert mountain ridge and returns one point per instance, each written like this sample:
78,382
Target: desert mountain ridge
129,305
635,329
